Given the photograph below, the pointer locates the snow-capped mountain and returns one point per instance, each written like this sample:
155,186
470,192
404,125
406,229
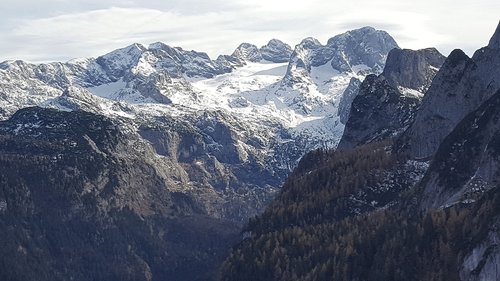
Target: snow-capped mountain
417,180
257,110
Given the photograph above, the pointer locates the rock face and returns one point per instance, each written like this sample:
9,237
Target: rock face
379,111
361,49
317,79
188,143
413,69
386,104
461,85
466,170
495,39
347,98
357,210
467,163
276,51
482,262
116,63
247,52
74,182
364,46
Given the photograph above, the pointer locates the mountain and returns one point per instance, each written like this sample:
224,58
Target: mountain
378,211
386,104
148,160
364,46
413,70
461,87
276,51
222,120
347,98
84,198
363,49
466,163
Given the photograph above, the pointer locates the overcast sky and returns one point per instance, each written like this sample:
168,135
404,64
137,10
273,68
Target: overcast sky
60,30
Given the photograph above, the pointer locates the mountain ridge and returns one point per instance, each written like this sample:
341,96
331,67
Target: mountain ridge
377,210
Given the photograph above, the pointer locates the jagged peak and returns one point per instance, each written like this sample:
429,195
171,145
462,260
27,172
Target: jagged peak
117,62
456,57
178,50
8,63
310,42
431,55
361,30
412,69
495,39
247,52
124,56
246,45
135,48
276,42
276,51
158,46
360,33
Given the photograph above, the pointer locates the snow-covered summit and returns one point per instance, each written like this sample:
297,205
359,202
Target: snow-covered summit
298,90
116,63
276,51
247,52
222,120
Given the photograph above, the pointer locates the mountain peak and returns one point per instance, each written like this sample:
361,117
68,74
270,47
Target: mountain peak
452,95
247,52
310,43
386,104
117,62
367,34
413,69
361,30
276,51
495,39
132,49
364,46
456,56
275,42
365,29
158,46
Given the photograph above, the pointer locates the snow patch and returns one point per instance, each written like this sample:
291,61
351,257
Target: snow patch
108,91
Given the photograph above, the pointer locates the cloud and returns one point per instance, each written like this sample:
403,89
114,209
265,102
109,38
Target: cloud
64,29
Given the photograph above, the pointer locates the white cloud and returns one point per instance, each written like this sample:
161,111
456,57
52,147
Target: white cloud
63,29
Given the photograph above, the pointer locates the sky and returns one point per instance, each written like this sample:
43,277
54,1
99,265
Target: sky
60,30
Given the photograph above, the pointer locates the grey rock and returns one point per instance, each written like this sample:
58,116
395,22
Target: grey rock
467,163
481,263
413,69
448,100
118,62
364,46
227,63
247,52
460,87
347,98
276,51
495,39
154,85
379,111
178,61
386,105
361,46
